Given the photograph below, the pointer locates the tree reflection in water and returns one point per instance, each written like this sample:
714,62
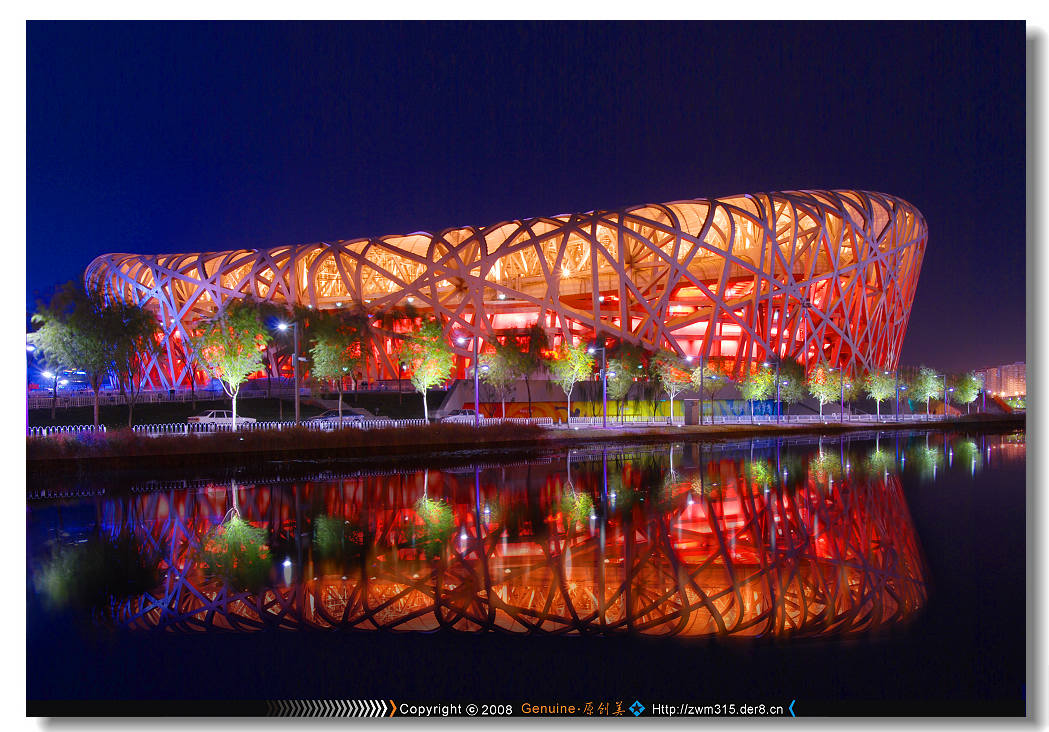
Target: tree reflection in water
771,541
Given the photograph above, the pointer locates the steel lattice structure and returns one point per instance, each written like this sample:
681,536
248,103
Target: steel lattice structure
815,275
738,559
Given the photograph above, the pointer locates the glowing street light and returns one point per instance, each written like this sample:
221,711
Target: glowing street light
766,364
295,371
604,384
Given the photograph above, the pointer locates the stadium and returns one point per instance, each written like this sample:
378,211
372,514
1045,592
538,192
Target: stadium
812,275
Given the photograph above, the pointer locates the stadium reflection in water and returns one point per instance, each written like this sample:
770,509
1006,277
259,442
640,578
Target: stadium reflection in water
690,540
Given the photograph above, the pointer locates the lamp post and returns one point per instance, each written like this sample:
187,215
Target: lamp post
898,390
604,385
295,370
766,364
945,397
688,360
477,393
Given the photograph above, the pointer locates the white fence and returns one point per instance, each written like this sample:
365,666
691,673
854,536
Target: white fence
626,419
640,420
825,419
184,428
67,430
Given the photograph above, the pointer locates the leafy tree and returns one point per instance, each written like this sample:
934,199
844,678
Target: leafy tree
383,325
879,386
792,382
926,384
672,375
571,364
966,389
707,380
73,331
133,336
338,342
237,553
758,384
824,384
621,372
229,346
536,342
427,353
501,370
438,524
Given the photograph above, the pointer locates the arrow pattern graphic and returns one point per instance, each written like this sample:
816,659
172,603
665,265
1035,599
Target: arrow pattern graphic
328,708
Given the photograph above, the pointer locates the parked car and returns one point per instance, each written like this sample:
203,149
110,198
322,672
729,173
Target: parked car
460,415
218,417
351,417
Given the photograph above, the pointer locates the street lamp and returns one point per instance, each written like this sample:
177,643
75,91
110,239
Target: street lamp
295,336
477,393
766,364
945,396
898,390
604,385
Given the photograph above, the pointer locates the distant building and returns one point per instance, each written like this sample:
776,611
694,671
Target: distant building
1007,380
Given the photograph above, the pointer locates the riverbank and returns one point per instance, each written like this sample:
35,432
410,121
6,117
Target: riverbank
122,449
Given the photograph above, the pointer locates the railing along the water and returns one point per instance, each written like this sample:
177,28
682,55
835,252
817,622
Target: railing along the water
193,428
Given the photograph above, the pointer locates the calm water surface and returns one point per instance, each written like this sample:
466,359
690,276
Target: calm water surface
871,574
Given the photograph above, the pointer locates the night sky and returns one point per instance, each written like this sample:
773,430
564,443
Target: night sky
181,137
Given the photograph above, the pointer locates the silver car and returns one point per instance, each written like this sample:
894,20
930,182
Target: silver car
351,417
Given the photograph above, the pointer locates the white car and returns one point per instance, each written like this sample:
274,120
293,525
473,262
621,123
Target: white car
218,417
460,415
351,417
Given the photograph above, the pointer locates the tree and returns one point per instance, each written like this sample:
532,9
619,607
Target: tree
133,338
707,380
501,370
792,382
73,331
758,384
926,384
571,364
824,384
229,346
966,389
428,355
620,378
671,375
536,343
337,350
879,386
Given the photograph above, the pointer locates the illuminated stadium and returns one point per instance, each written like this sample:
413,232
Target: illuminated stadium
814,275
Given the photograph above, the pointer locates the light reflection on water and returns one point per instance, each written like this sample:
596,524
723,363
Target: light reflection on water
771,537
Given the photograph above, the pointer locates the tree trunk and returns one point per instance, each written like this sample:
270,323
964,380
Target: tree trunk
504,406
877,404
426,410
234,398
528,387
96,406
569,395
340,404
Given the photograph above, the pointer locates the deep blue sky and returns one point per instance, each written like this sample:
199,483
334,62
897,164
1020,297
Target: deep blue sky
156,137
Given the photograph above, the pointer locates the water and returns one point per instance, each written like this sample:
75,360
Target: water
871,574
